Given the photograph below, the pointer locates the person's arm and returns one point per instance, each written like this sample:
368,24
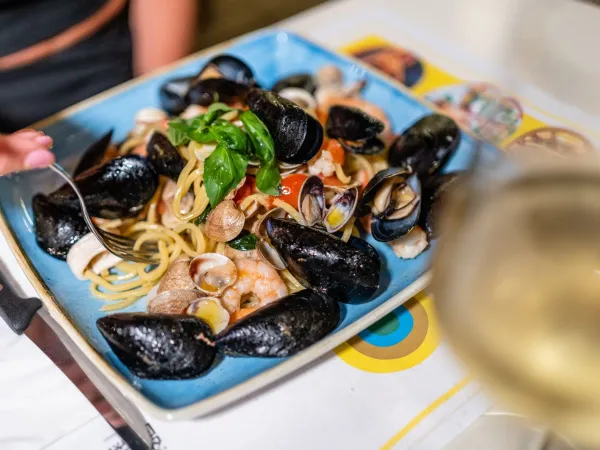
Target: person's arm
163,31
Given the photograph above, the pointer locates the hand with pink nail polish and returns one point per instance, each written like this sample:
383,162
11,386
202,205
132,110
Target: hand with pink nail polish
23,150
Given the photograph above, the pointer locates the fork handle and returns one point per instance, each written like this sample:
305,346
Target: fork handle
16,311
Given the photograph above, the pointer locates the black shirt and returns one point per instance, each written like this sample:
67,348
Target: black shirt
30,93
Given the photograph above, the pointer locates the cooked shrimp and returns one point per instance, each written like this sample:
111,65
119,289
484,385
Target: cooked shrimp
357,102
254,277
411,245
323,165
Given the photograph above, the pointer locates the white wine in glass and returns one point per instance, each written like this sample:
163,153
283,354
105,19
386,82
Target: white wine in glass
517,287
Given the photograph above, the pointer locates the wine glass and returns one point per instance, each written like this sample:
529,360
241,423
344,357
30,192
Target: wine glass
517,284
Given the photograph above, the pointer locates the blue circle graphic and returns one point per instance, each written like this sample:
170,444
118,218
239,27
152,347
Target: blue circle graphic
390,330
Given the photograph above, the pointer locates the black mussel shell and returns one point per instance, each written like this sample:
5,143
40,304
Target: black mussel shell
434,192
160,346
426,145
300,80
228,67
384,229
173,95
321,262
283,328
94,154
297,135
206,92
371,146
118,189
351,124
363,208
56,229
164,157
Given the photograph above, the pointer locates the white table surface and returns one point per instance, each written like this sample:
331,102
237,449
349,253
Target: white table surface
39,407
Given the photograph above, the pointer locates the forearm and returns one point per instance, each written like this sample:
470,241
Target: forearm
163,31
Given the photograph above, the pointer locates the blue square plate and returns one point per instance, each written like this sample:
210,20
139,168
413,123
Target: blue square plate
272,55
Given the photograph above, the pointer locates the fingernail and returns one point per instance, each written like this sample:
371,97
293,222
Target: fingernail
38,159
44,140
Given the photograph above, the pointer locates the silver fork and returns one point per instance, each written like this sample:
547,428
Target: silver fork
120,246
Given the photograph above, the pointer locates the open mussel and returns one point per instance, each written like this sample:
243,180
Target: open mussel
173,95
206,92
426,145
434,194
118,189
313,209
297,135
56,229
304,81
282,328
228,67
355,130
94,155
179,93
160,346
346,272
265,250
164,157
393,196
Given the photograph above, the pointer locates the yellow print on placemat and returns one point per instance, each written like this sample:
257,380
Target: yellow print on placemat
399,341
468,102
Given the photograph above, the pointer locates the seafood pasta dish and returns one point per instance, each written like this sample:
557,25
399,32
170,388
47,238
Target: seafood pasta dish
258,201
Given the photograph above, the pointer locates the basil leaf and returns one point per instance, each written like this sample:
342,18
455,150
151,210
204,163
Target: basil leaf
229,135
268,179
177,132
183,131
214,111
244,241
202,217
223,170
262,142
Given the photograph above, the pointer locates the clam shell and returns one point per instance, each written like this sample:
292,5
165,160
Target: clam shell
212,273
172,302
311,201
177,276
341,210
210,310
224,222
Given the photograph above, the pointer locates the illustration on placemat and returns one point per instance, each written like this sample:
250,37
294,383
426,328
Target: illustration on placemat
561,141
397,62
481,107
399,341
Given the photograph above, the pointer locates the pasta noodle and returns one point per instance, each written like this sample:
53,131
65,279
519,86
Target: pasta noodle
348,228
288,209
127,282
292,284
339,173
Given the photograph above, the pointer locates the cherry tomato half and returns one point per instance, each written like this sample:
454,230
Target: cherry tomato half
337,151
290,188
247,188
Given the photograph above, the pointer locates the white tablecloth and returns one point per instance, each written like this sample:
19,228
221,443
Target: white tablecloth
331,403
